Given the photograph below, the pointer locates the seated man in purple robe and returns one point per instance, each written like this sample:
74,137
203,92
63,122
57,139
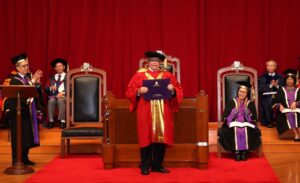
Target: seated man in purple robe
288,102
239,132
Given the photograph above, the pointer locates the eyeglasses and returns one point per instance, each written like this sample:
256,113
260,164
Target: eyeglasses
240,91
24,66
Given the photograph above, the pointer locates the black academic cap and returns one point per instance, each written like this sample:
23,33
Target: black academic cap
18,58
59,60
290,72
244,83
151,54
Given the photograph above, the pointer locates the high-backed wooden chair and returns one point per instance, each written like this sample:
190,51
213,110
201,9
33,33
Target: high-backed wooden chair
4,112
86,86
227,86
173,65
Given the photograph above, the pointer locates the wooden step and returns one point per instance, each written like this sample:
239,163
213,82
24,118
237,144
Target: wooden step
50,142
270,140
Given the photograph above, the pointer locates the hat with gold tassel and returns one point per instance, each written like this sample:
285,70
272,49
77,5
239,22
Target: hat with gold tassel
155,55
165,59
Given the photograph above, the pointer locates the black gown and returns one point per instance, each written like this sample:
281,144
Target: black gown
266,101
227,135
281,118
29,133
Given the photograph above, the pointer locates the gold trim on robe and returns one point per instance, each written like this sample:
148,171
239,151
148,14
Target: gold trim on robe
157,111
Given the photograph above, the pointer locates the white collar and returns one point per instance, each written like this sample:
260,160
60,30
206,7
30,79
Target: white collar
61,75
153,70
21,75
272,74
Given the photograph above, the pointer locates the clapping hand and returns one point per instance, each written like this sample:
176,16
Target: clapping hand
37,75
53,88
293,105
281,108
276,83
246,102
273,82
60,94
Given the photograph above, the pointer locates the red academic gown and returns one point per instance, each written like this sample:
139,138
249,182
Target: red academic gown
143,107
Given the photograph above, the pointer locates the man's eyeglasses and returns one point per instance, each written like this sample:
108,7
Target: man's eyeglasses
24,66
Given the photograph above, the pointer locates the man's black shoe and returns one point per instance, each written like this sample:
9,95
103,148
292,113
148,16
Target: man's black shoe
160,170
297,140
50,125
28,162
145,171
244,156
63,125
238,157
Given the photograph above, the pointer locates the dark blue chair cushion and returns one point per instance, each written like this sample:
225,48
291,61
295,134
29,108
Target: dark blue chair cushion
82,132
231,85
86,99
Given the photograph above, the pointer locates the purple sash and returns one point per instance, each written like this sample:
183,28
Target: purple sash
35,127
33,114
240,133
291,117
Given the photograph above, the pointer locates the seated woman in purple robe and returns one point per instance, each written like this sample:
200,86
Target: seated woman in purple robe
288,102
239,132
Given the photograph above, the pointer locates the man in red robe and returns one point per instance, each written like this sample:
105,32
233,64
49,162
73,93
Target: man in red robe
155,122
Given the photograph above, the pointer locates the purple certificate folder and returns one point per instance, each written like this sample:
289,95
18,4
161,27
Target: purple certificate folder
157,89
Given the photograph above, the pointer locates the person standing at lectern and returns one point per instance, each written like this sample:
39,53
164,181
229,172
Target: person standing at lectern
29,136
155,122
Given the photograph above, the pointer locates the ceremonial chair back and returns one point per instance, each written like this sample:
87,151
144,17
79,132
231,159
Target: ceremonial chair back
227,78
85,91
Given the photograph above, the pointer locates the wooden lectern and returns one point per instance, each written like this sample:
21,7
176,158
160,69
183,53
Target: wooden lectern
18,91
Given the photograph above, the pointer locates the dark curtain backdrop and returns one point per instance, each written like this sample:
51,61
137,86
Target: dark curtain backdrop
113,34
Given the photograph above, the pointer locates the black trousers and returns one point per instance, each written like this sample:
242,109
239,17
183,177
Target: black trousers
152,156
266,110
26,134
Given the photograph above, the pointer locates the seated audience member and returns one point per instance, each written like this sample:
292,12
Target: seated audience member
56,88
287,101
239,132
268,85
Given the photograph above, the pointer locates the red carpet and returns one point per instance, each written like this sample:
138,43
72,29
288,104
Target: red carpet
89,169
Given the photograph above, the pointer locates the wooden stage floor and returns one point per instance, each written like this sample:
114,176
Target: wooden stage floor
283,155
